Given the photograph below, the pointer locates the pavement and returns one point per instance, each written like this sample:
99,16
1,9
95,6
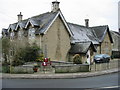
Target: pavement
47,75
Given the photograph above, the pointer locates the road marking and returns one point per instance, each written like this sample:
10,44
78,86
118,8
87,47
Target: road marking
112,87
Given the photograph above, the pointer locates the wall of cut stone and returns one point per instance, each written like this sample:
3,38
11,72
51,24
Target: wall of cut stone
105,66
56,42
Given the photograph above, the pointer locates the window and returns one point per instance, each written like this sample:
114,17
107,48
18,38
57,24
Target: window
25,33
11,35
12,52
20,33
31,33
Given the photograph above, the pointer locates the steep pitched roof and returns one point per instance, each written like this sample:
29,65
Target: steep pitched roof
117,34
43,21
12,26
82,34
4,31
101,32
82,47
21,24
116,40
47,25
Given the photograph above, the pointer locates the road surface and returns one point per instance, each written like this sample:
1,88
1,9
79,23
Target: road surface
104,81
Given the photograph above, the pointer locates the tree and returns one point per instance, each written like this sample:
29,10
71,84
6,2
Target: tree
22,51
27,53
5,48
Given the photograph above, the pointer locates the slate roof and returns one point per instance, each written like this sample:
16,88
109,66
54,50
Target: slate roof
101,32
81,47
12,26
42,20
116,40
82,34
115,33
4,31
21,24
46,21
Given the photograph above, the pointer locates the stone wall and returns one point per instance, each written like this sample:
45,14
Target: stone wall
71,68
105,66
106,47
56,41
22,69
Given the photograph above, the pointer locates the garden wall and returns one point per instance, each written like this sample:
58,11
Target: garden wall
22,69
105,66
71,68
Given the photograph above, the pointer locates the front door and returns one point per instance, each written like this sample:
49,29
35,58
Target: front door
88,57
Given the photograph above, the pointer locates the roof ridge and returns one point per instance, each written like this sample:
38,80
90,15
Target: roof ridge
75,24
84,42
29,18
39,15
98,26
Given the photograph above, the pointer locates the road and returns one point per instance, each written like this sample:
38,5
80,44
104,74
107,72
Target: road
104,81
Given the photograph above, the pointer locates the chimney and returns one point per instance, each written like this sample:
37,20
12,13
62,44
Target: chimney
87,22
55,6
19,17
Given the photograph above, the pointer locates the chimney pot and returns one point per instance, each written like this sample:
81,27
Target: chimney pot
20,17
87,22
55,6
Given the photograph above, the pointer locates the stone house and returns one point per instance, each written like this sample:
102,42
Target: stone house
83,42
116,44
59,39
104,38
49,30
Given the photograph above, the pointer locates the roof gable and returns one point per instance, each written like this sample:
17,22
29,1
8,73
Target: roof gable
64,21
33,22
42,21
39,20
21,24
82,47
101,32
12,27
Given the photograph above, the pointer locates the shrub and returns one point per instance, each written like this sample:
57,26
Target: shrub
29,53
17,62
24,54
22,70
77,59
5,69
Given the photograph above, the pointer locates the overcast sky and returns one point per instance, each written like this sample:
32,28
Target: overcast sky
99,12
